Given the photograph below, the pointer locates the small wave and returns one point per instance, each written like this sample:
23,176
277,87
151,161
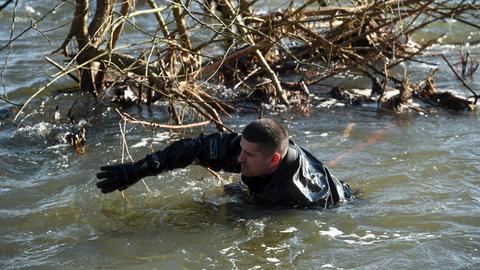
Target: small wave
159,137
332,232
370,238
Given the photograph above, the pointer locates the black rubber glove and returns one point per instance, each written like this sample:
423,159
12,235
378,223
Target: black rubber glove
122,176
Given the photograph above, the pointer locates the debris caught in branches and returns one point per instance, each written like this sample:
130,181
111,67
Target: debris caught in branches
267,56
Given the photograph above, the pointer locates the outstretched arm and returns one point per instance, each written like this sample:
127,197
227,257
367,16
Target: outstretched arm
217,151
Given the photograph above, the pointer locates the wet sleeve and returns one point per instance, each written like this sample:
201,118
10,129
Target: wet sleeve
218,151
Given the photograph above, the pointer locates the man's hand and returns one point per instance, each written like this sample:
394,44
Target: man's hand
119,176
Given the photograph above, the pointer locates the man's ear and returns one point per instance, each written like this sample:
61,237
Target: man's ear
276,158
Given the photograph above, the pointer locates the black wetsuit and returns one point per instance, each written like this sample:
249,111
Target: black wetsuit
300,181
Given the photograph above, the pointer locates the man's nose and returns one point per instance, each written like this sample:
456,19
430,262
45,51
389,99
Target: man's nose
241,157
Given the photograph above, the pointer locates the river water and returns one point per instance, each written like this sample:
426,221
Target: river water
415,176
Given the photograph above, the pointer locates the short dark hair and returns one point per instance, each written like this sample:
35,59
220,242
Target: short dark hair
269,134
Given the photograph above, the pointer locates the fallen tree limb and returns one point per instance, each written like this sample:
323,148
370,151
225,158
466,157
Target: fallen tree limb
130,119
461,80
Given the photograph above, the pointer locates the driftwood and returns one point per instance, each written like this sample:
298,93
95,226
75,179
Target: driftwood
348,96
446,100
128,118
277,56
399,102
475,95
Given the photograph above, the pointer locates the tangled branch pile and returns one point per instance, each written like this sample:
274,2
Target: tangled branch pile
244,46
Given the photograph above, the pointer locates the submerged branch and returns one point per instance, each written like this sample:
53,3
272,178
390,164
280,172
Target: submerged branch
461,80
250,53
130,119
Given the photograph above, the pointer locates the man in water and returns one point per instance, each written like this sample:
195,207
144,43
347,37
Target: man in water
276,171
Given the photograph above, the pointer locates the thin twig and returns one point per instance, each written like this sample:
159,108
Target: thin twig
58,66
125,148
460,79
132,120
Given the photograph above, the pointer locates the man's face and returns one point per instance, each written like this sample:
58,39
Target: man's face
252,161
